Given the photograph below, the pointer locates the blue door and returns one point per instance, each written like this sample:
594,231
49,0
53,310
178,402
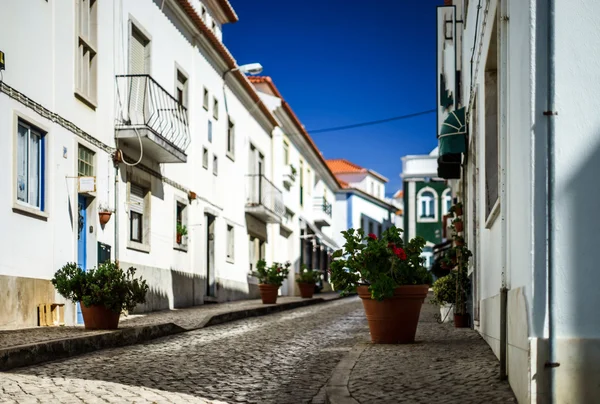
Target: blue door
81,242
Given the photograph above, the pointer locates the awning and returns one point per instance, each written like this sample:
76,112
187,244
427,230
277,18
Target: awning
452,135
324,239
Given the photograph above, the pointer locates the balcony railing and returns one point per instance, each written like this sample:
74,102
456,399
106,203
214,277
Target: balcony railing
262,193
321,204
142,103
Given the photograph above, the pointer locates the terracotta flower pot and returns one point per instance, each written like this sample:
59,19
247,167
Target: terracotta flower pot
306,289
461,320
458,211
99,318
458,226
459,243
268,293
104,217
394,320
178,238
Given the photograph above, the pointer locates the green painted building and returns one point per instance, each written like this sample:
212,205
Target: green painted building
427,198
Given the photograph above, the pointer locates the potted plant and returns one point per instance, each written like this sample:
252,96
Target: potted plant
307,281
104,214
459,241
458,224
103,293
192,195
444,295
293,171
181,231
457,209
389,277
270,279
461,317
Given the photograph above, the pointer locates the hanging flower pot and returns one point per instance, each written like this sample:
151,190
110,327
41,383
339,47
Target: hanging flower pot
458,225
178,238
459,241
104,217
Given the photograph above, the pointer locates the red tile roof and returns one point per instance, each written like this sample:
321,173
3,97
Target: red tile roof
227,58
229,11
343,166
267,80
398,194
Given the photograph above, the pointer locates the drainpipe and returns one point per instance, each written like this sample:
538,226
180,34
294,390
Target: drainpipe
116,210
550,217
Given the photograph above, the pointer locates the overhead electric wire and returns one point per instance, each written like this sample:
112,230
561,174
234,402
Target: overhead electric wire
361,124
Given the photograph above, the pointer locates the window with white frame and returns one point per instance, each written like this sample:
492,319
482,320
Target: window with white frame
427,205
230,243
182,89
210,126
205,99
86,69
215,165
308,181
203,13
446,201
137,213
230,138
85,162
205,158
215,109
30,165
286,153
181,221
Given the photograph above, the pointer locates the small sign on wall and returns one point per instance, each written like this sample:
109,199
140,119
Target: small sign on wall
87,184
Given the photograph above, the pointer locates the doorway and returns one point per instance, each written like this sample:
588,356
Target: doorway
81,242
209,223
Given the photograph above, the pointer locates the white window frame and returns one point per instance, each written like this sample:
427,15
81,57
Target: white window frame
286,153
230,251
144,245
215,165
215,109
205,98
205,158
86,62
446,196
181,83
19,206
420,217
230,141
179,201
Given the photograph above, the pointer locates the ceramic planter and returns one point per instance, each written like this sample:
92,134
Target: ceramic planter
394,320
104,217
99,318
461,320
268,293
447,313
306,289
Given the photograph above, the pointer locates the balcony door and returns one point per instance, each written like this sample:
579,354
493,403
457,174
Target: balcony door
139,61
256,167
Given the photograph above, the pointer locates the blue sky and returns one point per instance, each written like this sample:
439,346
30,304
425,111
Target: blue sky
340,62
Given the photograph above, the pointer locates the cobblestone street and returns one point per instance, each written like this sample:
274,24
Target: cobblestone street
281,358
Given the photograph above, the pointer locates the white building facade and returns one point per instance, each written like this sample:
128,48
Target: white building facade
525,87
136,108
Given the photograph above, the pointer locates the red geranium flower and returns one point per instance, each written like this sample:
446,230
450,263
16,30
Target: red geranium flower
391,245
372,236
400,253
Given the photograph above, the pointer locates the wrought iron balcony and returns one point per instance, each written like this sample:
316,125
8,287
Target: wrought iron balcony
145,110
263,199
323,211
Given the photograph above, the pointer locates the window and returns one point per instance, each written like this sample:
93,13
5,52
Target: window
205,158
301,183
373,188
85,166
308,181
86,63
230,138
213,26
446,201
257,251
371,228
30,165
491,159
215,109
180,231
181,94
286,153
230,243
210,131
215,166
427,205
203,13
205,99
137,208
379,230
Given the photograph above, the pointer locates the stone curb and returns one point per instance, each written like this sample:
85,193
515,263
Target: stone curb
336,390
32,354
